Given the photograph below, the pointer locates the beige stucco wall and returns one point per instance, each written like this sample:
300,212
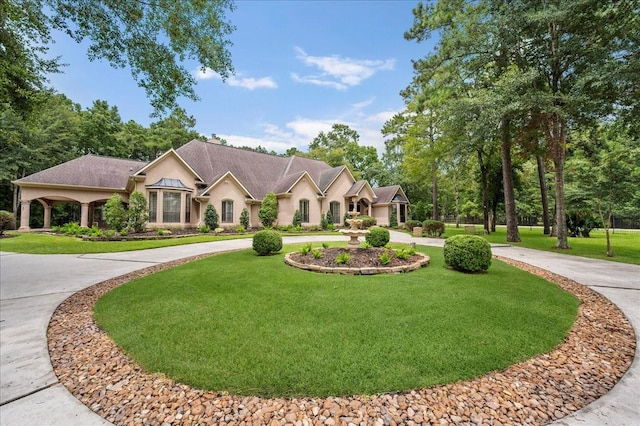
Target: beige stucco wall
228,190
81,195
382,214
171,168
303,190
336,193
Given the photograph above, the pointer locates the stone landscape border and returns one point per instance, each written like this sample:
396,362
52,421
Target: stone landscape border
370,270
595,354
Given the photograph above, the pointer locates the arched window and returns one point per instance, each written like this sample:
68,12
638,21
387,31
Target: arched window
304,210
227,211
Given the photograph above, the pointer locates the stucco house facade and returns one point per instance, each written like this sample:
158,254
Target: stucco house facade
181,183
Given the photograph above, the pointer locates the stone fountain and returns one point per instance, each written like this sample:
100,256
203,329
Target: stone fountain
354,231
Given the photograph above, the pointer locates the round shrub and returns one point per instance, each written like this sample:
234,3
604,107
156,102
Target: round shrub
267,242
7,221
377,237
467,253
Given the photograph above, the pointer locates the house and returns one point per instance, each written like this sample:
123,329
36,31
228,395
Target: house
181,183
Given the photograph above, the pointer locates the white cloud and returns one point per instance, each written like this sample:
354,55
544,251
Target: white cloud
206,74
252,83
238,80
318,81
381,117
364,103
300,131
338,72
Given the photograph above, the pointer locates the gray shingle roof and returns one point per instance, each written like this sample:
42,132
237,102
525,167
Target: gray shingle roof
385,194
328,176
89,170
259,173
355,188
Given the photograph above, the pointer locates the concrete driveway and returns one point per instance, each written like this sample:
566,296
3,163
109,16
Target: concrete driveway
32,286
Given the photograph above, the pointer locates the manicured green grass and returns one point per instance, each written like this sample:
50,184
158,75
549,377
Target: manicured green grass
35,243
252,325
626,244
56,244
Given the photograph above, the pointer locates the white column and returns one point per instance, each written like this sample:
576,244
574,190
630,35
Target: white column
25,213
84,215
47,217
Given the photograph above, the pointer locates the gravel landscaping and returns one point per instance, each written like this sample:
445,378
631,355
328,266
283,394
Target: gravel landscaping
596,353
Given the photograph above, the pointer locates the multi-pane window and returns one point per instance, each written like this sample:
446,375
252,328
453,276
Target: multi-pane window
334,208
153,206
227,211
304,210
171,207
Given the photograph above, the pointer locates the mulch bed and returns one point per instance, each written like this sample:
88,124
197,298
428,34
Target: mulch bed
358,258
595,354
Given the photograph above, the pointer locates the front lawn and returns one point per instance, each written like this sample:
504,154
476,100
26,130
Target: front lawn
625,243
34,243
252,325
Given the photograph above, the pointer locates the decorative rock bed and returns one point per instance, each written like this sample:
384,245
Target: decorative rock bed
595,354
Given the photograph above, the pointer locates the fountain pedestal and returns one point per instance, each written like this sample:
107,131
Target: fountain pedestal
354,231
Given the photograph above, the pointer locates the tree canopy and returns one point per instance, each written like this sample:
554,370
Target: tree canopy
152,38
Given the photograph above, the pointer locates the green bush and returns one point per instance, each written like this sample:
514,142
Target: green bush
393,221
433,228
204,229
329,218
71,228
297,218
410,224
240,229
467,253
114,213
385,258
211,218
7,221
368,221
267,242
323,223
244,218
342,258
138,212
268,212
377,237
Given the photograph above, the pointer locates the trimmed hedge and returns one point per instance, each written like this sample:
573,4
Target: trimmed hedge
267,242
378,237
467,253
433,228
410,224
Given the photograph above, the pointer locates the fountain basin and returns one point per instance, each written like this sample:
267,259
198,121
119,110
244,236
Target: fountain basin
353,235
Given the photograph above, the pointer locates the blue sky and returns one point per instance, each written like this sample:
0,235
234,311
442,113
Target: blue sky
301,66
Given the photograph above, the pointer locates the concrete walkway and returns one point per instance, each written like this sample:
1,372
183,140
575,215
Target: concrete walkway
32,286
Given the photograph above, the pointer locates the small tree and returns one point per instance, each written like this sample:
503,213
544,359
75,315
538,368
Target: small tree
244,218
138,212
297,218
114,213
329,218
268,212
393,220
7,221
211,218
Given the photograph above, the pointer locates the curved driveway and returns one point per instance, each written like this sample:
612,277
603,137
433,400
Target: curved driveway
32,286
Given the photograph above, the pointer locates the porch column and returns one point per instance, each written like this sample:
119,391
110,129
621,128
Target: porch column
25,213
47,217
369,209
84,215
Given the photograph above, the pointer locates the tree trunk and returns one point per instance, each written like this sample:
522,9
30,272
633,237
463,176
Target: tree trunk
606,231
513,235
456,193
434,192
543,194
556,138
485,193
